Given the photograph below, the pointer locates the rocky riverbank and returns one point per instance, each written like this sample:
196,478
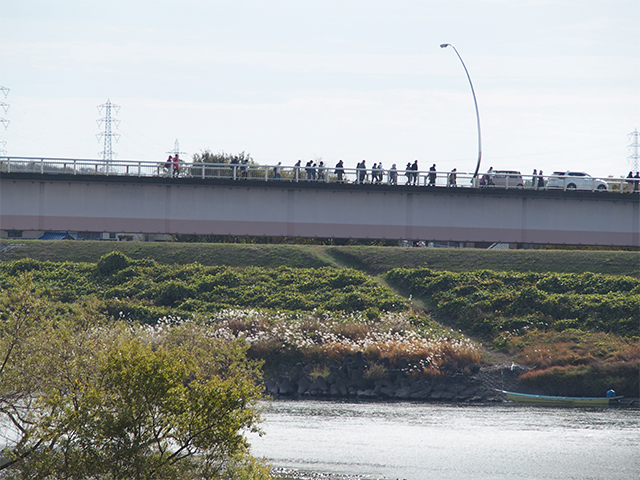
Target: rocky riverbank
354,379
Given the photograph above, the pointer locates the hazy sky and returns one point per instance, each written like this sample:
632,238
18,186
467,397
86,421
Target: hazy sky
557,82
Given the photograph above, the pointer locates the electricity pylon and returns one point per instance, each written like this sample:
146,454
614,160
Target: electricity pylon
176,149
5,123
633,158
107,153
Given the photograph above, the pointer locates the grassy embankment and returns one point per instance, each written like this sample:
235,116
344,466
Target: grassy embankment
578,332
371,260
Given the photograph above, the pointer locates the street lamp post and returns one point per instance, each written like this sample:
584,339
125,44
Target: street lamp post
445,45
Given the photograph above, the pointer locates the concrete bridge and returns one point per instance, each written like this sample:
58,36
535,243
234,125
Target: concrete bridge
223,206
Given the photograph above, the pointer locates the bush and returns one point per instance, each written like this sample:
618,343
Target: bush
587,380
172,292
111,263
24,265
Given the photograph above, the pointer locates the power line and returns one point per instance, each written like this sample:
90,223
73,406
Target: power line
140,140
107,153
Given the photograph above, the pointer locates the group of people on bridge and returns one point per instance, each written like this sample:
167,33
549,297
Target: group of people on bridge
316,172
633,181
172,165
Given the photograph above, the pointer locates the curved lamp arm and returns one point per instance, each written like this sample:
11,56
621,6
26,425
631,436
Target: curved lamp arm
445,45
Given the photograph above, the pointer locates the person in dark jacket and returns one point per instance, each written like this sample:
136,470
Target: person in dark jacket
414,167
339,170
451,180
432,176
630,183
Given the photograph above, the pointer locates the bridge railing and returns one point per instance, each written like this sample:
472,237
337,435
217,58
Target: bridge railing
279,173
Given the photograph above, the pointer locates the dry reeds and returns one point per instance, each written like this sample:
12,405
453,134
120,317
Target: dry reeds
392,337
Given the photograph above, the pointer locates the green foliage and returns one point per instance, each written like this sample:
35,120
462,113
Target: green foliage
30,329
487,303
145,291
90,399
587,380
24,265
206,156
306,253
112,263
578,331
513,310
172,292
124,310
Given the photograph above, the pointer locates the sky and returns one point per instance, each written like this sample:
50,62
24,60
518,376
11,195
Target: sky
557,82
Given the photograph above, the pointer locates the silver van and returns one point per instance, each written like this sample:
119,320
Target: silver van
507,179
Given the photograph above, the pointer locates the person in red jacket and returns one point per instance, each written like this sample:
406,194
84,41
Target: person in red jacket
176,166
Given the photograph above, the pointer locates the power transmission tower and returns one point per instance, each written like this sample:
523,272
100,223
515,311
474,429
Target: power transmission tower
176,149
107,135
4,121
633,158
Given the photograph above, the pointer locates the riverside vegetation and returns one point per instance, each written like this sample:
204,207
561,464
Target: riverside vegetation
83,396
577,332
208,333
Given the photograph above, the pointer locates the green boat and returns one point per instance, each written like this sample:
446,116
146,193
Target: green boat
560,401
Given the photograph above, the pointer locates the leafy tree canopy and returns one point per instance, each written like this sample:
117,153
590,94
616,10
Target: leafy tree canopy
87,399
207,156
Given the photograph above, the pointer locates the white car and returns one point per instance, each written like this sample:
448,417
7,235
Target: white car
576,181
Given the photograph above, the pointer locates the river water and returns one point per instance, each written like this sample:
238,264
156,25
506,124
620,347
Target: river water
416,441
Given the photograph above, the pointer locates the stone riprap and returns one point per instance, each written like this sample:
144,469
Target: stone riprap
351,380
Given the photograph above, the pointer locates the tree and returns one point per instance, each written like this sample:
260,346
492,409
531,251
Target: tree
206,156
116,401
24,321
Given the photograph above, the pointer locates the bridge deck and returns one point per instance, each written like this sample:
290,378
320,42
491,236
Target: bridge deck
156,204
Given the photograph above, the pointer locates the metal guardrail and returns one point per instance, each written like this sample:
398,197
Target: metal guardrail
324,174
